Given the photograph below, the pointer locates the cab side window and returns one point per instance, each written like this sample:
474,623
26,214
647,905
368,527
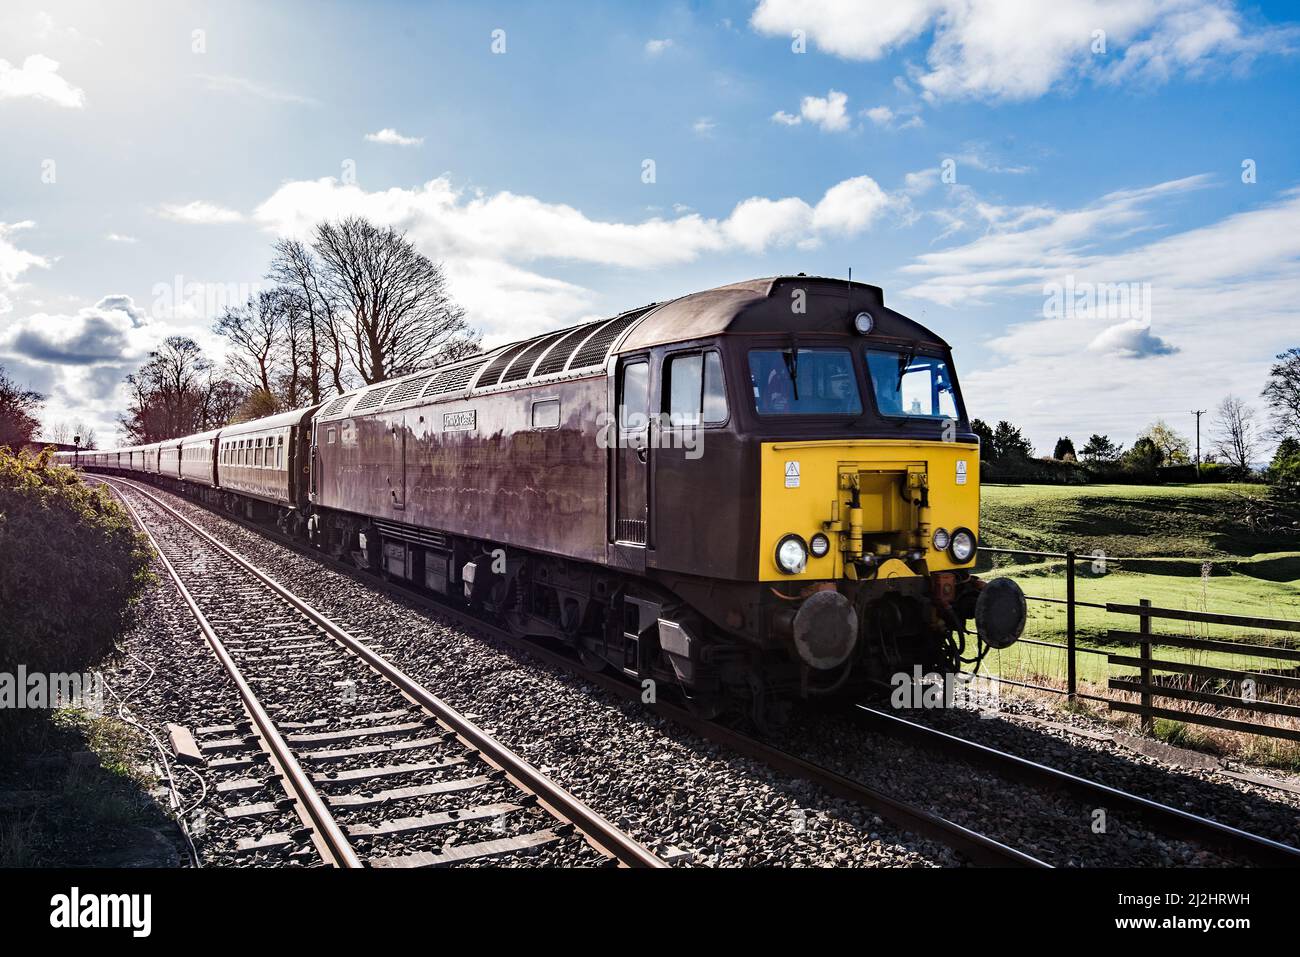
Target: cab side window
695,389
634,397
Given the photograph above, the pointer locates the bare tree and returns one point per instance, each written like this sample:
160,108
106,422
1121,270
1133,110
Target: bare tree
1236,436
1283,394
298,270
18,408
176,392
394,312
254,330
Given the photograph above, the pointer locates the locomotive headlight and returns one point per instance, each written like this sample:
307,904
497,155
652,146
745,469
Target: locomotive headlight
820,545
863,323
791,555
962,547
941,539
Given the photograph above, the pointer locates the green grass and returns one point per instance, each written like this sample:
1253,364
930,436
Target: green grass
1168,521
1180,546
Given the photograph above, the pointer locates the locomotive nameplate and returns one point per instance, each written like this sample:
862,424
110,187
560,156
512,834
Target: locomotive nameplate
459,421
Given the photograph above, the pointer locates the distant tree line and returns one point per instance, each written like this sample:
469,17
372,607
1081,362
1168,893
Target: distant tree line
1234,440
357,304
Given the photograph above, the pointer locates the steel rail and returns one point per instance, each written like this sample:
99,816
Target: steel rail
327,835
976,847
1171,820
559,801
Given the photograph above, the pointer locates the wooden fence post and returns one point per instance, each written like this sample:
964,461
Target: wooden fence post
1071,677
1144,627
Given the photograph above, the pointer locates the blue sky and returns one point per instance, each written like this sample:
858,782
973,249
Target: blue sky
142,158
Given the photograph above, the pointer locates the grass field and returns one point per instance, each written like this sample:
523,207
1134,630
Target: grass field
1180,546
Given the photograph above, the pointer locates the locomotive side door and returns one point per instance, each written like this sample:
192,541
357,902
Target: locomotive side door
632,463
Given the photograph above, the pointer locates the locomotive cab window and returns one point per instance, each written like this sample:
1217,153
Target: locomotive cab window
634,397
908,384
695,390
804,382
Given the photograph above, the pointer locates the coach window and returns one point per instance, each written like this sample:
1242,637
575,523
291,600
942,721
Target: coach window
329,436
695,389
546,414
279,452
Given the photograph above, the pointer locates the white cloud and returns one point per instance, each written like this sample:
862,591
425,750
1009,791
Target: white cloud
889,119
486,239
1193,295
39,79
391,137
880,115
828,112
1131,339
996,49
199,212
786,119
657,47
120,238
105,332
244,86
849,207
14,262
703,126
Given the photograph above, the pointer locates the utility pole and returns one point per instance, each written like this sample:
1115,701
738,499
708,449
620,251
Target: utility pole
1198,413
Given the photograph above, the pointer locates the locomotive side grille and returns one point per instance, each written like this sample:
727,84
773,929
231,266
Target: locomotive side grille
558,357
492,375
596,349
523,365
428,537
338,405
631,530
453,380
372,399
409,388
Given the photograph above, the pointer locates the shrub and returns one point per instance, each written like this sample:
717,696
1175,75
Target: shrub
71,565
1034,471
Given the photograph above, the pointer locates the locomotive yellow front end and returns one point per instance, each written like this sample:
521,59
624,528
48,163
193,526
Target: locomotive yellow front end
867,540
871,543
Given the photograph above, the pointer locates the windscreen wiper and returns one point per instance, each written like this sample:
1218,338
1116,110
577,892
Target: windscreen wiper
905,361
791,357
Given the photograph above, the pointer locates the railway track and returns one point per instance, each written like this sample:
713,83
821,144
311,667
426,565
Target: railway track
969,844
975,847
1170,820
375,767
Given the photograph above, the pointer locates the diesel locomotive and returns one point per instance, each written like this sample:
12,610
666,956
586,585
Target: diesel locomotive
759,492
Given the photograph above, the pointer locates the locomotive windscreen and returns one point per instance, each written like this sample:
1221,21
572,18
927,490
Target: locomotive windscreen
806,382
